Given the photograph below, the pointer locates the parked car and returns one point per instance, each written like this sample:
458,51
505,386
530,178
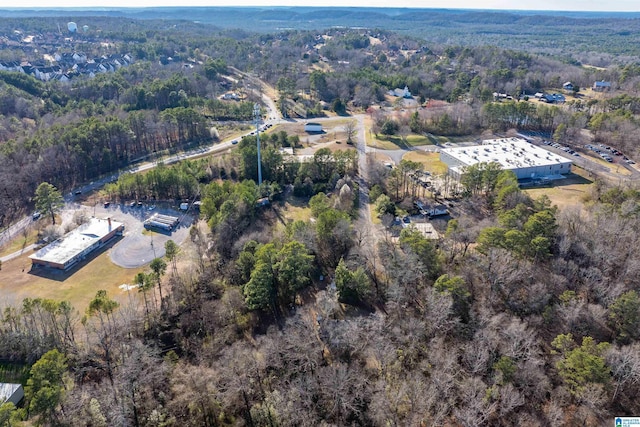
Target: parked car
36,215
107,204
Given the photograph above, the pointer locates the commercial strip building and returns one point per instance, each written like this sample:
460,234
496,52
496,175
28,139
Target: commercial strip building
526,160
74,246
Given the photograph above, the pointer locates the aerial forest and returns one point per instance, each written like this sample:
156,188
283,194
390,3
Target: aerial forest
522,313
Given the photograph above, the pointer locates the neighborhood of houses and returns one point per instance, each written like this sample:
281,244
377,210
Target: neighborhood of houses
552,98
68,65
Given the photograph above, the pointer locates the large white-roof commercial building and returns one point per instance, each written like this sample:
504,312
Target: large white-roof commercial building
77,244
526,160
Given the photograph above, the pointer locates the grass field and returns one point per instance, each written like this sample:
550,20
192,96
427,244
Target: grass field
20,242
78,286
297,209
571,191
431,161
393,142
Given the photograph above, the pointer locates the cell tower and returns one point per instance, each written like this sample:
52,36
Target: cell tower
257,117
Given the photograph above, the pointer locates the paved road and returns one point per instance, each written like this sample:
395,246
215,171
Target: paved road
14,230
17,253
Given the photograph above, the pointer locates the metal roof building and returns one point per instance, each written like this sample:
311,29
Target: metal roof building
526,160
77,244
11,393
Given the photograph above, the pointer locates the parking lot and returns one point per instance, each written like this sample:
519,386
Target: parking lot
141,245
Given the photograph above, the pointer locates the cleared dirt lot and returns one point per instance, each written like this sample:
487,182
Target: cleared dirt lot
564,193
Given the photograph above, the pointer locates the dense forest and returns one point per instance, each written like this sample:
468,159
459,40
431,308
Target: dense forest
521,314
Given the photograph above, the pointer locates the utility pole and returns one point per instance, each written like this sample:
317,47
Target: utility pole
256,115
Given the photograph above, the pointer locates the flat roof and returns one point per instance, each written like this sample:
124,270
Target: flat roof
510,153
76,241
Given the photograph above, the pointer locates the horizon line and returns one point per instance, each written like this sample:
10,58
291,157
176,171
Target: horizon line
258,6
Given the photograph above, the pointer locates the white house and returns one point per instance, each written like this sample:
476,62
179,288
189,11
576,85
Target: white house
401,93
312,127
230,95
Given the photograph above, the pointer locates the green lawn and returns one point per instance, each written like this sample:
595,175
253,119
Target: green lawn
78,286
20,242
430,161
394,142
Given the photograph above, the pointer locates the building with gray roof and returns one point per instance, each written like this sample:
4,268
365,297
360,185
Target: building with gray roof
74,246
11,393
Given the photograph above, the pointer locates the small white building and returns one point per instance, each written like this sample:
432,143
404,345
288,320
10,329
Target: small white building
312,127
11,393
401,93
230,96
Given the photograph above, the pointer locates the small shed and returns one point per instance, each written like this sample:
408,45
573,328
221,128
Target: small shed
312,127
11,393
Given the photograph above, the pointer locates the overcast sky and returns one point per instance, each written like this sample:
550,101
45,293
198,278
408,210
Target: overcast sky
579,5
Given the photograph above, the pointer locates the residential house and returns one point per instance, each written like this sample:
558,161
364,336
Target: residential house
601,86
499,96
47,73
553,98
230,96
401,93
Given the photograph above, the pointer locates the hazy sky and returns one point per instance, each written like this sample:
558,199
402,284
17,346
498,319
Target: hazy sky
580,5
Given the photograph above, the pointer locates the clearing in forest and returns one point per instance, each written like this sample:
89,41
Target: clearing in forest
571,191
394,142
430,161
